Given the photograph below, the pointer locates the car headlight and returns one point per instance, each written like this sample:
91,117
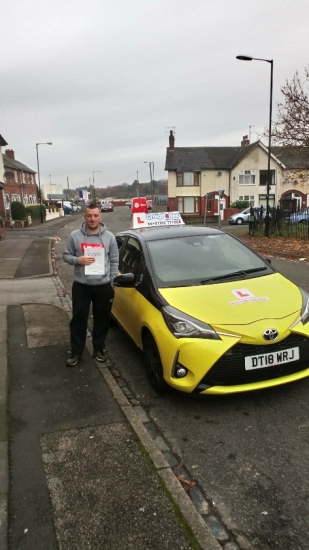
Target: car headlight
184,326
305,307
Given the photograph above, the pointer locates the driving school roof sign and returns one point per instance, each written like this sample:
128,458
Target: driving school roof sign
156,219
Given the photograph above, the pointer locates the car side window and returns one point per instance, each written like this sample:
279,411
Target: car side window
120,241
132,260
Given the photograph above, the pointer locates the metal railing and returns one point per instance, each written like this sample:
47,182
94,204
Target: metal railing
282,223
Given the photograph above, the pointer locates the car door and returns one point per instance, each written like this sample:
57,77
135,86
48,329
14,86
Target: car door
246,214
128,302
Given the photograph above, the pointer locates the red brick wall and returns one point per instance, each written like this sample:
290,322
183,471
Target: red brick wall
230,211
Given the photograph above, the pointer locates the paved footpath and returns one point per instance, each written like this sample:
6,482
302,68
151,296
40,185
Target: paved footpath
78,469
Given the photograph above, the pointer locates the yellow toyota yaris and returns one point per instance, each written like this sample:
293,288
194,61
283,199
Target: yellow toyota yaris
211,316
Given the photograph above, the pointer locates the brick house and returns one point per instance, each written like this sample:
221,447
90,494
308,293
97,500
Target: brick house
2,211
19,183
240,172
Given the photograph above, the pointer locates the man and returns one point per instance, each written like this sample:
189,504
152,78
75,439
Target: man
94,253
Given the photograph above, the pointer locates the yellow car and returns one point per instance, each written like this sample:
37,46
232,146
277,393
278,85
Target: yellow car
211,316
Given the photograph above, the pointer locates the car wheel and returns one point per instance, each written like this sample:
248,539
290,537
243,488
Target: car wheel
239,221
153,364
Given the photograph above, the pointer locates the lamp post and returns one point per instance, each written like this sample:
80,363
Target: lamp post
95,172
137,186
39,181
247,58
151,175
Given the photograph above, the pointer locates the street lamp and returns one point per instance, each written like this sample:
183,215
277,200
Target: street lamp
95,172
37,157
247,58
151,174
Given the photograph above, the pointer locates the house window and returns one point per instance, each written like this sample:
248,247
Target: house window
7,202
249,198
264,177
188,205
24,177
25,199
246,177
263,200
16,177
188,178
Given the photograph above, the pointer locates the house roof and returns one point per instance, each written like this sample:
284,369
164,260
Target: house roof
293,157
224,158
8,162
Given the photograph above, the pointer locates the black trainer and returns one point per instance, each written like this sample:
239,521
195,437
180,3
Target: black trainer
73,360
99,355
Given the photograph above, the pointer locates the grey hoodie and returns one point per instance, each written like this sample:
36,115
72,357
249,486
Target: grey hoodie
75,246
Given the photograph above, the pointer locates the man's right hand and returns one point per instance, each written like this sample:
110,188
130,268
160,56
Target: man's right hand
85,260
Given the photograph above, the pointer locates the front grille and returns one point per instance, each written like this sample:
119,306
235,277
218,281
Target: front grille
229,370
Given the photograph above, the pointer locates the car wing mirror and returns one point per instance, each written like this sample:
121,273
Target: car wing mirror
125,280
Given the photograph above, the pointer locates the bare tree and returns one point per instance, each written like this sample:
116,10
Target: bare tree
291,129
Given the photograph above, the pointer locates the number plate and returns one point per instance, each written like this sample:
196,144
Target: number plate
271,359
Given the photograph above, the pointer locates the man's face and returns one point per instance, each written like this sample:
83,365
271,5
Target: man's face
92,217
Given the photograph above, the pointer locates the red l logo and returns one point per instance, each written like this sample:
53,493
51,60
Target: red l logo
242,294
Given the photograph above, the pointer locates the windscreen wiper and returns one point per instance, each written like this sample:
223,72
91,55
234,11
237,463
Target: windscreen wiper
232,275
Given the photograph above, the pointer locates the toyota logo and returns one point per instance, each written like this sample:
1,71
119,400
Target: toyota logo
270,334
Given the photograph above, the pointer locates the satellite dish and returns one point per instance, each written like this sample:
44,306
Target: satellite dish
219,173
9,175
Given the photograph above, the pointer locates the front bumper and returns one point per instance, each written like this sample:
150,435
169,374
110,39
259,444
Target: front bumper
227,374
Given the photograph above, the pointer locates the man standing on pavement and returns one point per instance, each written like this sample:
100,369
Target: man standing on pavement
94,253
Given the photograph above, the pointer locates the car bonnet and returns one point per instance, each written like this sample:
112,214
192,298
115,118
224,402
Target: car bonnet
238,302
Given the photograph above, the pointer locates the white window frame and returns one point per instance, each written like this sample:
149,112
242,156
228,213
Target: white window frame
249,198
247,173
7,201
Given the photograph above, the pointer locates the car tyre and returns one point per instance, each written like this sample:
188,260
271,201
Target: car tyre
153,364
239,221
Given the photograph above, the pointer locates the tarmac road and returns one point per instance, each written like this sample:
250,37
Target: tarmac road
248,453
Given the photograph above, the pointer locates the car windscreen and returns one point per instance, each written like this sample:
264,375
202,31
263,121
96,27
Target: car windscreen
200,259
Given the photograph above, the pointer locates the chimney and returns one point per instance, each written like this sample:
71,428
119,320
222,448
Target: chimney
171,138
245,141
10,153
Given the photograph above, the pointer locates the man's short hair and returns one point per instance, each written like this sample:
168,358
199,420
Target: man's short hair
92,206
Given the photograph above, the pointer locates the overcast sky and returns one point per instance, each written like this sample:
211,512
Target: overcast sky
105,80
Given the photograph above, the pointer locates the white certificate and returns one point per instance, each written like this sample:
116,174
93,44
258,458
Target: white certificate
98,266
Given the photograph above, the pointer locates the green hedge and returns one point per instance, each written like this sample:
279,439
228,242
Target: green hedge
18,211
34,210
240,204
